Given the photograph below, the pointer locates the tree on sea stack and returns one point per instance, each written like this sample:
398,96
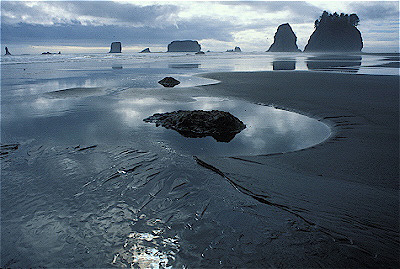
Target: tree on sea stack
334,32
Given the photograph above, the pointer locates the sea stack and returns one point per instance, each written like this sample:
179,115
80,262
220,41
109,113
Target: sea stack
116,47
284,40
7,52
335,33
237,49
184,46
146,50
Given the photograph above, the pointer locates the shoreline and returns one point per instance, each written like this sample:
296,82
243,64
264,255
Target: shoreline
349,183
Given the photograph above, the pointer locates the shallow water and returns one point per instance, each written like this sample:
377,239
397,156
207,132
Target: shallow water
109,120
86,183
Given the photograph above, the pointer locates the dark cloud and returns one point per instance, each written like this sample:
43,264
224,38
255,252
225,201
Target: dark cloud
150,25
102,35
376,10
41,13
122,12
297,8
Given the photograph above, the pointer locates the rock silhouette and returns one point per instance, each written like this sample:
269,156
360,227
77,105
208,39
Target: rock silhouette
146,50
169,82
220,125
335,32
284,40
236,49
7,52
116,47
184,46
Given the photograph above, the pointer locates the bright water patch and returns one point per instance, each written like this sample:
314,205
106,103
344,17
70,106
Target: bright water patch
117,119
269,130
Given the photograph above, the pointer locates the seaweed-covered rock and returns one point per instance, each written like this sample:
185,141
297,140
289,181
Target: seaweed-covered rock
184,46
169,82
220,125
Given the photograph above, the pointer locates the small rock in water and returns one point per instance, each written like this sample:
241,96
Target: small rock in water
222,126
169,82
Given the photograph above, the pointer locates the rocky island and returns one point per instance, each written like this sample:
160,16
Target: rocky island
184,46
7,52
116,47
236,49
284,40
220,125
335,33
146,50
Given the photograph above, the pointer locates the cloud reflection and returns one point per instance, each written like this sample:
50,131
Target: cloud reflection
269,130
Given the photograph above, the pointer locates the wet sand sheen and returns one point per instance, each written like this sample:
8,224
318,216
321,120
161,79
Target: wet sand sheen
102,203
349,184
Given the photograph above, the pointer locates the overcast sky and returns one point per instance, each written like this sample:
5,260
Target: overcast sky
90,26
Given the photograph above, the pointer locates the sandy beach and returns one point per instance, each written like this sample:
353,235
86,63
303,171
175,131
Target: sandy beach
87,183
347,185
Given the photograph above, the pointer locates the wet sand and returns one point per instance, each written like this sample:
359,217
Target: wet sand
347,185
83,187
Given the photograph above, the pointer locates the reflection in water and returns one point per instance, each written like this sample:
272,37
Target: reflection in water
350,63
116,120
284,65
183,65
268,130
148,249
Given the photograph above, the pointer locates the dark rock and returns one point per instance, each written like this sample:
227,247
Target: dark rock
284,40
220,125
169,82
116,47
7,52
237,49
335,33
200,52
184,46
146,50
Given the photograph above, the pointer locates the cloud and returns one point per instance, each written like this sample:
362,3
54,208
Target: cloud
376,10
87,13
250,24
